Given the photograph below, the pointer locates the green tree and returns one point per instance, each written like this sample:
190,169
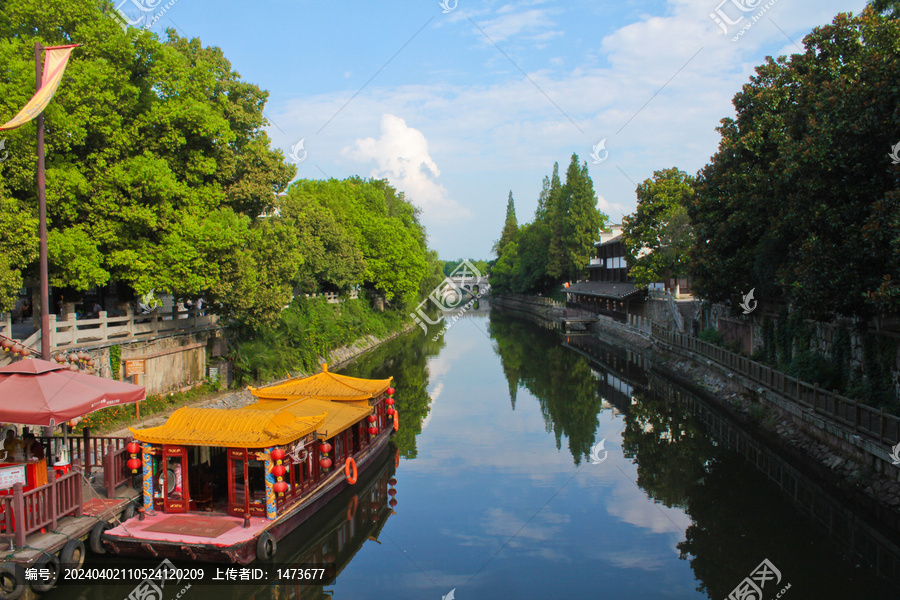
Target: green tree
384,227
890,8
799,201
659,236
157,161
575,223
510,227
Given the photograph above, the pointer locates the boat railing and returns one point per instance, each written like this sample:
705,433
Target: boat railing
23,513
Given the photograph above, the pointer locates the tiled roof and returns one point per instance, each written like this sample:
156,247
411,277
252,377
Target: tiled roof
248,427
604,289
326,386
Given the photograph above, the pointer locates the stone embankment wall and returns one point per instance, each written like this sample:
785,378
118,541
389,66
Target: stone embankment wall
861,462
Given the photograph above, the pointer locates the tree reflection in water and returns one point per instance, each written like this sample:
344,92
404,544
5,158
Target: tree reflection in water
405,359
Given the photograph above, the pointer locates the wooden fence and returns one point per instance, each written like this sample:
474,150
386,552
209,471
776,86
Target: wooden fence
23,513
114,471
89,451
860,418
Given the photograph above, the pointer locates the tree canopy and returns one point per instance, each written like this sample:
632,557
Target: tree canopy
160,176
557,245
801,201
659,236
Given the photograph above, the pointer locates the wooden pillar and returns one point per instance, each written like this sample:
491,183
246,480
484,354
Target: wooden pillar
19,514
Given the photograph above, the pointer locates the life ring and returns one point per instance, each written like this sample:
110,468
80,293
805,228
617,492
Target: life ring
12,581
396,421
50,562
266,546
72,554
351,507
347,465
397,458
96,533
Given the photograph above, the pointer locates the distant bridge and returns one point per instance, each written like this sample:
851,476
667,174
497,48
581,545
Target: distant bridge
470,283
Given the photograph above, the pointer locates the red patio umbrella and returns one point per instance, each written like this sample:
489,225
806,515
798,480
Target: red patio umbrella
39,392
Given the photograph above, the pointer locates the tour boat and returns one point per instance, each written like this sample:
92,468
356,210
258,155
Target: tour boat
224,485
331,538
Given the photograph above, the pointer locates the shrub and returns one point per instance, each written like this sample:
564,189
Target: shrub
711,335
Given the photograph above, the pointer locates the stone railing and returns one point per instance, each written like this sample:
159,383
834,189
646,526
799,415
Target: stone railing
849,414
105,330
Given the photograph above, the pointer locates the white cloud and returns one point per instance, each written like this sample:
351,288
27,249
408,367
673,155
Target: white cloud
401,156
655,88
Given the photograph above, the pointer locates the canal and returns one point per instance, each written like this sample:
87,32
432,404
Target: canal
533,465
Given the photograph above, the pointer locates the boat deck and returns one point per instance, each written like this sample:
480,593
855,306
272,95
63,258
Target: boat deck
191,528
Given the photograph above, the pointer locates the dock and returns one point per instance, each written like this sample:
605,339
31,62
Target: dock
52,526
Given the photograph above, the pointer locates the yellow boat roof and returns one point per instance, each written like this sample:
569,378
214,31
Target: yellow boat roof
324,386
325,403
248,427
341,415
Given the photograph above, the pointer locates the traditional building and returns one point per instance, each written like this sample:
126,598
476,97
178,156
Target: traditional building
609,290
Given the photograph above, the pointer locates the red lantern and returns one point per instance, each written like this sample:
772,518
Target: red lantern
132,448
325,463
277,454
73,367
6,344
280,487
371,418
389,401
373,431
390,411
278,470
393,502
26,351
325,448
392,482
390,391
134,464
392,492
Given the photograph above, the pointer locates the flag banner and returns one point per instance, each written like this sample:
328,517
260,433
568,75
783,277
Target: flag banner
55,60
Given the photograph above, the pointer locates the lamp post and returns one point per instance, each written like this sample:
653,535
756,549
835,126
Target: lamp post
42,214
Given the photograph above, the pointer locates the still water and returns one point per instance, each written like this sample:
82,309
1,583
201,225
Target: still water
502,489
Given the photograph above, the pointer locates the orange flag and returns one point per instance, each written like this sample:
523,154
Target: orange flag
55,60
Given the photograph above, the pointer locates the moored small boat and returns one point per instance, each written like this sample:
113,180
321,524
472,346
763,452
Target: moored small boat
224,485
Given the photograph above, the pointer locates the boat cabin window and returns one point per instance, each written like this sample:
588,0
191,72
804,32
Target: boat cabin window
238,489
339,448
256,473
355,437
302,472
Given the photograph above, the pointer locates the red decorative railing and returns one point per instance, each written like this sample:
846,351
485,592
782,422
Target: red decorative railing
23,513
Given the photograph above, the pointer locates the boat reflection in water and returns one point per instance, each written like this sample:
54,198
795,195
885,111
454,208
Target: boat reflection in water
330,539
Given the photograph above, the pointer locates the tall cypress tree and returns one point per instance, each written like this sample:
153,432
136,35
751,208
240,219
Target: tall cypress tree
510,227
576,223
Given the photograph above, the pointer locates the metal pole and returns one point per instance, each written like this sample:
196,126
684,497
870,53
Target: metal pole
42,214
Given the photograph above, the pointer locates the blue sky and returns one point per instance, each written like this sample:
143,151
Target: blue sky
457,108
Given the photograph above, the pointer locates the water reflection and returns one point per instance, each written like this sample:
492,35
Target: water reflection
742,498
405,360
333,536
561,380
499,498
